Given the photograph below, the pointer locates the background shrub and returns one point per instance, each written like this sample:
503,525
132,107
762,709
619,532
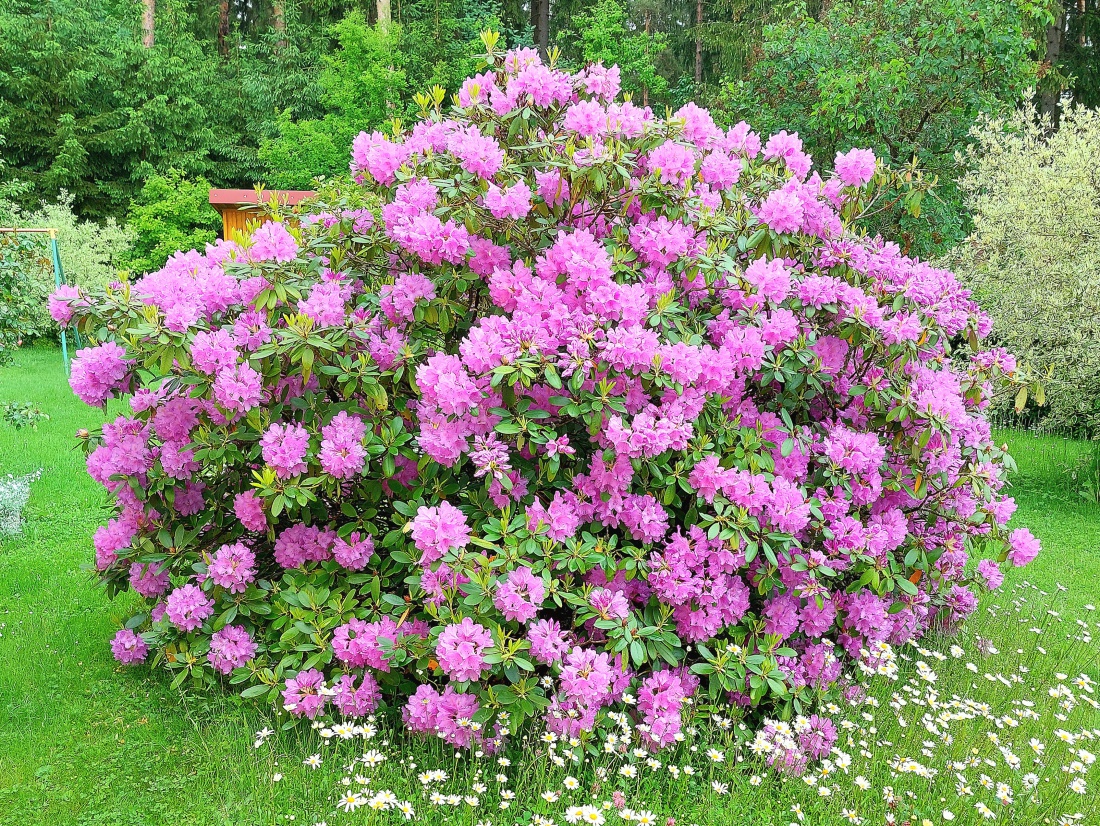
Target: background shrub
597,412
364,84
1033,259
91,256
171,213
906,79
22,292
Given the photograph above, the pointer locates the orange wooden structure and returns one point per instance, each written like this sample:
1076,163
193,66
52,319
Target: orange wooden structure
237,206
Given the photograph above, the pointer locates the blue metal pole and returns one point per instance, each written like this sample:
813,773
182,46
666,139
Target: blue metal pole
58,280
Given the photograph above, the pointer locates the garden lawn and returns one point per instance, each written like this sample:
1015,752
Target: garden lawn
83,741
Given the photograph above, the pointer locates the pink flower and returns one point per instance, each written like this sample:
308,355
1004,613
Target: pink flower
477,154
353,701
378,156
238,388
720,170
303,695
601,81
213,352
187,607
1023,547
325,304
520,595
354,552
60,304
233,567
359,643
461,649
272,242
587,118
438,530
127,647
300,544
855,167
230,648
673,163
609,604
782,211
660,701
513,202
475,90
342,454
587,675
991,573
453,717
249,508
97,373
150,580
284,448
548,642
553,187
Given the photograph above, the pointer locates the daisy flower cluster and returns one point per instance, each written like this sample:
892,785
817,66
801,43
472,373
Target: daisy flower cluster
601,417
963,733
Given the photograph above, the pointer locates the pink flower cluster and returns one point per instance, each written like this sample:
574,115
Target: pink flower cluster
284,448
461,649
98,373
233,568
128,648
448,715
342,454
230,648
789,748
187,607
438,530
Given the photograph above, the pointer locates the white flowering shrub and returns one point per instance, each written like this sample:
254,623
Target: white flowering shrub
15,492
91,255
1033,259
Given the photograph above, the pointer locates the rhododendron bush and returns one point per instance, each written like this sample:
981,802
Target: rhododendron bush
567,411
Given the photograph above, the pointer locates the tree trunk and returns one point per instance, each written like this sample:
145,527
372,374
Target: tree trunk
540,22
648,21
384,17
223,27
279,12
544,25
698,42
1050,97
148,23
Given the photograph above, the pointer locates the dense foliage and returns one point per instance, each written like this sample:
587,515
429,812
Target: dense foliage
87,109
170,213
906,78
270,91
1075,67
367,79
91,255
1033,259
595,404
22,292
603,33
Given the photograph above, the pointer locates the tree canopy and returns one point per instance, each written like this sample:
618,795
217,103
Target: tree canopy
99,96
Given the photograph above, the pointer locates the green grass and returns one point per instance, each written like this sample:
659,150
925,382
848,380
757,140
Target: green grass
85,742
